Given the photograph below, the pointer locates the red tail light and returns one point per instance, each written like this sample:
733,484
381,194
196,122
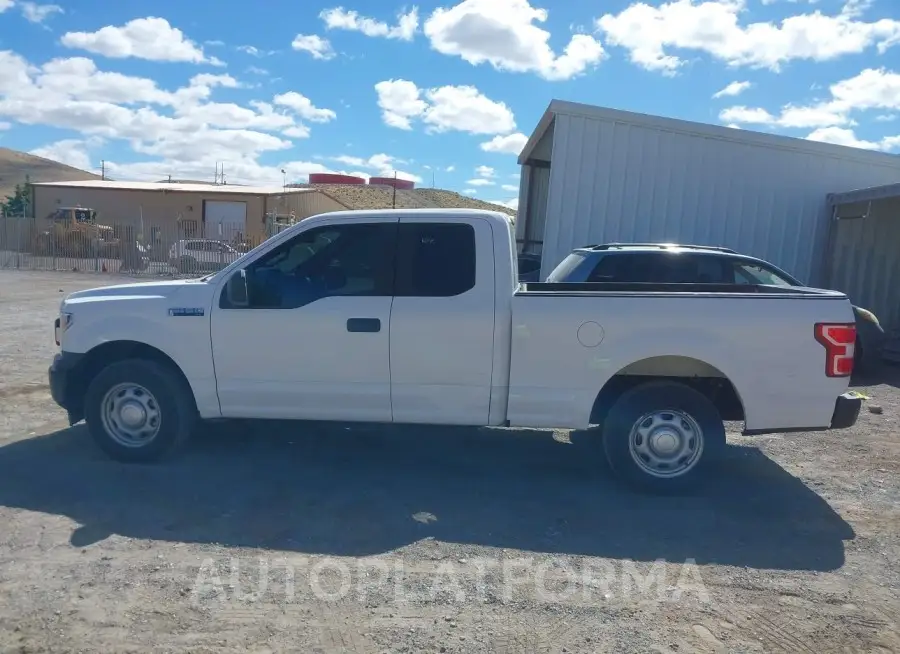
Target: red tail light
839,341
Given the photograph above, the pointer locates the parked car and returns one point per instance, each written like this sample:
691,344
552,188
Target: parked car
201,255
669,262
416,317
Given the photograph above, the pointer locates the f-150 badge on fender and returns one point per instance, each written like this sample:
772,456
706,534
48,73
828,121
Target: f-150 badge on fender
186,311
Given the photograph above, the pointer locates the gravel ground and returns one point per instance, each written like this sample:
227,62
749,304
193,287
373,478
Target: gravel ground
329,538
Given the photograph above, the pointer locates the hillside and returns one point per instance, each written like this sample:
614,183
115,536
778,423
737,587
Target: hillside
450,199
381,197
16,166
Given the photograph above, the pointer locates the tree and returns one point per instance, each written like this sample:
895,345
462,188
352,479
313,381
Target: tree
19,202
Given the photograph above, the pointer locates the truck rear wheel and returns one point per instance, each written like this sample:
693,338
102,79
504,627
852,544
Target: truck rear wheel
662,436
139,410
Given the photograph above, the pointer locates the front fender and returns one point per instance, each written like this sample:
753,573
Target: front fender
183,338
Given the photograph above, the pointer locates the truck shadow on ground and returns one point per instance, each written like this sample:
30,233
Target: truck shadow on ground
360,490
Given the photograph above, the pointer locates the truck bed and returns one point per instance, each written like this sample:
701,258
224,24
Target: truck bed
570,339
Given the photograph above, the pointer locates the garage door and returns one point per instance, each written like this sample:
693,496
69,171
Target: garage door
224,220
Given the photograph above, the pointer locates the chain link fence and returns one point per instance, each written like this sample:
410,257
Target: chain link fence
77,243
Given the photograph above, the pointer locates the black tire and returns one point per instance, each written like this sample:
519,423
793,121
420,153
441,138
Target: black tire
177,412
662,397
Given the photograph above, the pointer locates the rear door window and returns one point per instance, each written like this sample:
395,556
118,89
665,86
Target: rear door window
435,259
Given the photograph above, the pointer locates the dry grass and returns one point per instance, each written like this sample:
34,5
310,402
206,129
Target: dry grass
16,167
375,197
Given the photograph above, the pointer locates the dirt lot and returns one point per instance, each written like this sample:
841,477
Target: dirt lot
328,538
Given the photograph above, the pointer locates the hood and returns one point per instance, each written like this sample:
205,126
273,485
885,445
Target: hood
167,288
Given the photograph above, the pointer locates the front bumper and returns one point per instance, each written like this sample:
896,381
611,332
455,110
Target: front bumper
846,411
65,387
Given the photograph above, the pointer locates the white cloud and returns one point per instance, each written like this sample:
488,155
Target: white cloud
841,136
510,187
508,144
339,18
871,89
446,108
37,13
303,107
470,191
400,102
183,128
5,5
253,51
450,169
72,152
512,204
485,171
790,116
315,45
506,34
733,89
382,164
480,181
151,38
714,27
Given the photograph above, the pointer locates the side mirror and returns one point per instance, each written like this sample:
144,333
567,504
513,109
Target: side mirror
237,289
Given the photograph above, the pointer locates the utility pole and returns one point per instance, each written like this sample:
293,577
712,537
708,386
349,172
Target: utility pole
102,169
394,199
432,178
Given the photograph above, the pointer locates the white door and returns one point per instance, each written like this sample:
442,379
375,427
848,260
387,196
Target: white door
224,220
442,322
314,341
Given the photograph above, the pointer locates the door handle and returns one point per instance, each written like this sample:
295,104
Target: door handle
369,325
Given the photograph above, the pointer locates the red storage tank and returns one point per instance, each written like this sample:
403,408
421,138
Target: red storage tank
404,184
334,178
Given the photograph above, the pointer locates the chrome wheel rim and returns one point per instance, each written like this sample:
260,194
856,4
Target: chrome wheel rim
130,415
666,444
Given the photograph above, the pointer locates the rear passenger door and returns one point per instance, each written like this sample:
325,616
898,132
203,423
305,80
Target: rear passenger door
442,322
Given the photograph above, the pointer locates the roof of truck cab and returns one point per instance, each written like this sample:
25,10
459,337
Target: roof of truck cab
450,214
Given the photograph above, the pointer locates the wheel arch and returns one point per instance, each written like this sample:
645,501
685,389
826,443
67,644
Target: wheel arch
695,373
99,357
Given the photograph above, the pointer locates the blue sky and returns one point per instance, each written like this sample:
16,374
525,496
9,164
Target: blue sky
446,88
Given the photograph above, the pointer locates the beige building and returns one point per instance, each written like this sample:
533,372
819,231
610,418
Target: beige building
166,211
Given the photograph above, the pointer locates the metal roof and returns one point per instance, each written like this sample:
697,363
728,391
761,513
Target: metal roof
885,192
706,130
231,189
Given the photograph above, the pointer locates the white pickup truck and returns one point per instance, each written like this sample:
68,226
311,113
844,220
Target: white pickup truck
416,316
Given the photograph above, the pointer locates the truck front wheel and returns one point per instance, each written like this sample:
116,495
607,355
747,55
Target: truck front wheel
139,410
662,436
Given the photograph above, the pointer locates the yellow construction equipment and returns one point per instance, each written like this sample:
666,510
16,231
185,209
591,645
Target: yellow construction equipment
74,232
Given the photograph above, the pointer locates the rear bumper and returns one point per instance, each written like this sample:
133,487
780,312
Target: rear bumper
846,411
65,388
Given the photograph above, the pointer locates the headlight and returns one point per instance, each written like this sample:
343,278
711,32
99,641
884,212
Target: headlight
867,315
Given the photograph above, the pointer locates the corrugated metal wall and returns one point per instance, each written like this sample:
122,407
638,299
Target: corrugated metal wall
538,192
614,181
865,262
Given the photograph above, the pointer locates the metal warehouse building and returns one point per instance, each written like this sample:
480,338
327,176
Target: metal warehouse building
189,209
595,175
